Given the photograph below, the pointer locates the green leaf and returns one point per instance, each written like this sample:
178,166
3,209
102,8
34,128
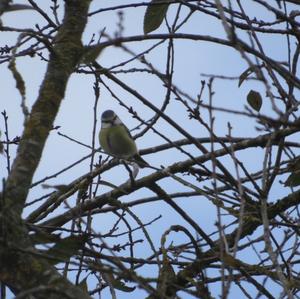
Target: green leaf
155,15
246,74
293,180
118,284
64,249
254,99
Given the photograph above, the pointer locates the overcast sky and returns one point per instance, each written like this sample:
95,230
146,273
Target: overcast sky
75,117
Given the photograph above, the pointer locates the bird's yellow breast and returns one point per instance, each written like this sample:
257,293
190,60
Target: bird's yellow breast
117,141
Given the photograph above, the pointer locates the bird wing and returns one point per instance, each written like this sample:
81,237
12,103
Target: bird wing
128,132
109,140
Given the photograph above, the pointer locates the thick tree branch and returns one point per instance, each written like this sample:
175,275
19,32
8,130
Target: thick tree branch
20,268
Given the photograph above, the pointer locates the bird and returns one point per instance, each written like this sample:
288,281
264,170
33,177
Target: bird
116,140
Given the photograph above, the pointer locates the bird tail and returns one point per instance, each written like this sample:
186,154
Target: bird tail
140,161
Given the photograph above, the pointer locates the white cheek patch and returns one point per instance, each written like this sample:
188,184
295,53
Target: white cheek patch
117,121
110,123
105,125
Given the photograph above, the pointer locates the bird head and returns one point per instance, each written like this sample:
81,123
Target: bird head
109,118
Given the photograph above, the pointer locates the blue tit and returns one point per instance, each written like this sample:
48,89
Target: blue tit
116,140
